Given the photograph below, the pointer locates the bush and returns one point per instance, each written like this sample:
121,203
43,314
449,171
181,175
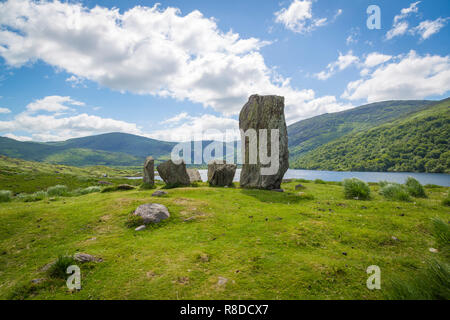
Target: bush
58,190
37,196
415,188
319,181
446,201
5,195
356,189
395,191
90,190
59,268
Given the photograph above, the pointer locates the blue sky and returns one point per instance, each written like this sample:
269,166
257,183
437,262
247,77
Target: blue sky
71,69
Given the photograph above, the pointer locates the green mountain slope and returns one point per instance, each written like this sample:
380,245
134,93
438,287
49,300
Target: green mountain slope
417,142
113,149
306,135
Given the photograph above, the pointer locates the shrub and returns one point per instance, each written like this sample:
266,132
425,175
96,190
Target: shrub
90,190
319,181
383,183
59,268
58,190
5,195
415,188
356,189
446,201
37,196
395,191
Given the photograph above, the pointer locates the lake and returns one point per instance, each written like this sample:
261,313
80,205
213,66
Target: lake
440,179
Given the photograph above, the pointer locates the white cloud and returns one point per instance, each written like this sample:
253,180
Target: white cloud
53,104
427,28
342,63
398,29
205,127
4,110
399,26
375,59
298,17
145,51
54,126
76,81
18,138
405,12
411,77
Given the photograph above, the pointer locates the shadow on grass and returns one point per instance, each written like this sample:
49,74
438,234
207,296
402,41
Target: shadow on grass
275,197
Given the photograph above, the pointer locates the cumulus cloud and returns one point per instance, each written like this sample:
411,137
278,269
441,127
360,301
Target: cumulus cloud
144,50
342,63
53,104
427,28
298,17
205,127
375,59
4,110
54,126
409,77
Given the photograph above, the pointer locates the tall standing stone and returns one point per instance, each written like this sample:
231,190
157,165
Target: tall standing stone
174,174
263,112
149,171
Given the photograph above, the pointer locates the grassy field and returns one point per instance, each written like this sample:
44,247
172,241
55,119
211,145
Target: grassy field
267,245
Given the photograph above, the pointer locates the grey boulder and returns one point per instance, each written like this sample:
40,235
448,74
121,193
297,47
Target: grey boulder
152,212
194,175
221,174
158,193
174,174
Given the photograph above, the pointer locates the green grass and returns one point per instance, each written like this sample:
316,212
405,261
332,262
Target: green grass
59,268
269,245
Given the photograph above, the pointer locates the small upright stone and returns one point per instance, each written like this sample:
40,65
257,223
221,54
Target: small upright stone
221,174
174,174
149,171
194,175
258,114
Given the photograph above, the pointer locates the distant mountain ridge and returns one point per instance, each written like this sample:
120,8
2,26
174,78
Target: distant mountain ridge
415,142
315,143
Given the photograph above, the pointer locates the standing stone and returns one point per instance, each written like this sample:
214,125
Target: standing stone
149,171
174,174
194,175
221,174
263,112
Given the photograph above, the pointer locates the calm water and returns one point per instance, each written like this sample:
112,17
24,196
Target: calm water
440,179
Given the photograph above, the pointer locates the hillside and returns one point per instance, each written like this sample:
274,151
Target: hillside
417,142
112,149
306,135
